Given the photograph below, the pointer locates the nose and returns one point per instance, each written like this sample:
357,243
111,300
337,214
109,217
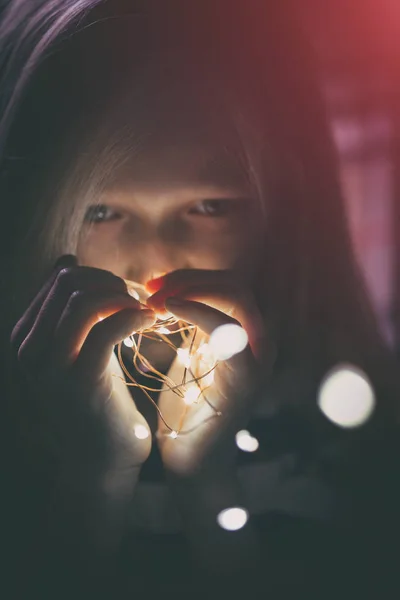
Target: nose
155,259
153,254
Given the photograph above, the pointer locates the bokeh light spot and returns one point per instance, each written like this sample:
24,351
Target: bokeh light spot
132,292
184,357
141,432
228,340
163,330
246,442
346,396
191,395
233,518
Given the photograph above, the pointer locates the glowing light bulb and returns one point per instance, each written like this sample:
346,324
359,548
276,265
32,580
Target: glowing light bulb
184,357
163,330
228,340
203,349
128,342
165,316
173,435
246,442
233,518
205,361
346,396
209,378
132,292
141,432
191,395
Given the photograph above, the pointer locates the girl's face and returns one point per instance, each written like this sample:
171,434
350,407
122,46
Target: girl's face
185,209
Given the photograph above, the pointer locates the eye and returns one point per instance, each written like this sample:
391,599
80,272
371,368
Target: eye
213,208
101,213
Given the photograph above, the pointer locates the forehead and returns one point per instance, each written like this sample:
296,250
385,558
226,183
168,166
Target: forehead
178,163
169,133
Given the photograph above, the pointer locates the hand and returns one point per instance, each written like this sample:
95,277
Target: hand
210,299
64,349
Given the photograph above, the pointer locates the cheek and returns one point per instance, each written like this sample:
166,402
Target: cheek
237,250
234,248
243,250
100,249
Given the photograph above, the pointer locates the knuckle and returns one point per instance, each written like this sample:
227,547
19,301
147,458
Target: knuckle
77,298
109,279
71,277
117,280
104,275
64,278
94,342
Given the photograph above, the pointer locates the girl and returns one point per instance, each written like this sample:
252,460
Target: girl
182,146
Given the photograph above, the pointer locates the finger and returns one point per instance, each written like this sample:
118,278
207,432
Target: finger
208,319
186,277
67,281
231,299
26,322
83,311
241,306
228,288
196,313
95,355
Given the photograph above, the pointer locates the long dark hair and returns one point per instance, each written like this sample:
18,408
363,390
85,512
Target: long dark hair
87,83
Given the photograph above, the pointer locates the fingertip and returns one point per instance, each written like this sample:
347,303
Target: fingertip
66,260
153,285
147,319
148,314
153,302
174,304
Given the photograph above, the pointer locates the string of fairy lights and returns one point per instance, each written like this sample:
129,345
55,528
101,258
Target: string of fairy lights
194,384
346,396
198,355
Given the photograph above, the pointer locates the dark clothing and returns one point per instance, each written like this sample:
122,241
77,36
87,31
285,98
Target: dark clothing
324,509
323,504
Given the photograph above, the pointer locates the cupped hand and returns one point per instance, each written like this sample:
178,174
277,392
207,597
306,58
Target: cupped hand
63,346
209,299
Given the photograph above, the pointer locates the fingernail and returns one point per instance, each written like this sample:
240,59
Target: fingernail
174,302
153,285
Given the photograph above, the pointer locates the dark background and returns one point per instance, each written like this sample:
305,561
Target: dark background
358,47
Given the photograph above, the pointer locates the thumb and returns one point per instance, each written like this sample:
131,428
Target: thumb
94,356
